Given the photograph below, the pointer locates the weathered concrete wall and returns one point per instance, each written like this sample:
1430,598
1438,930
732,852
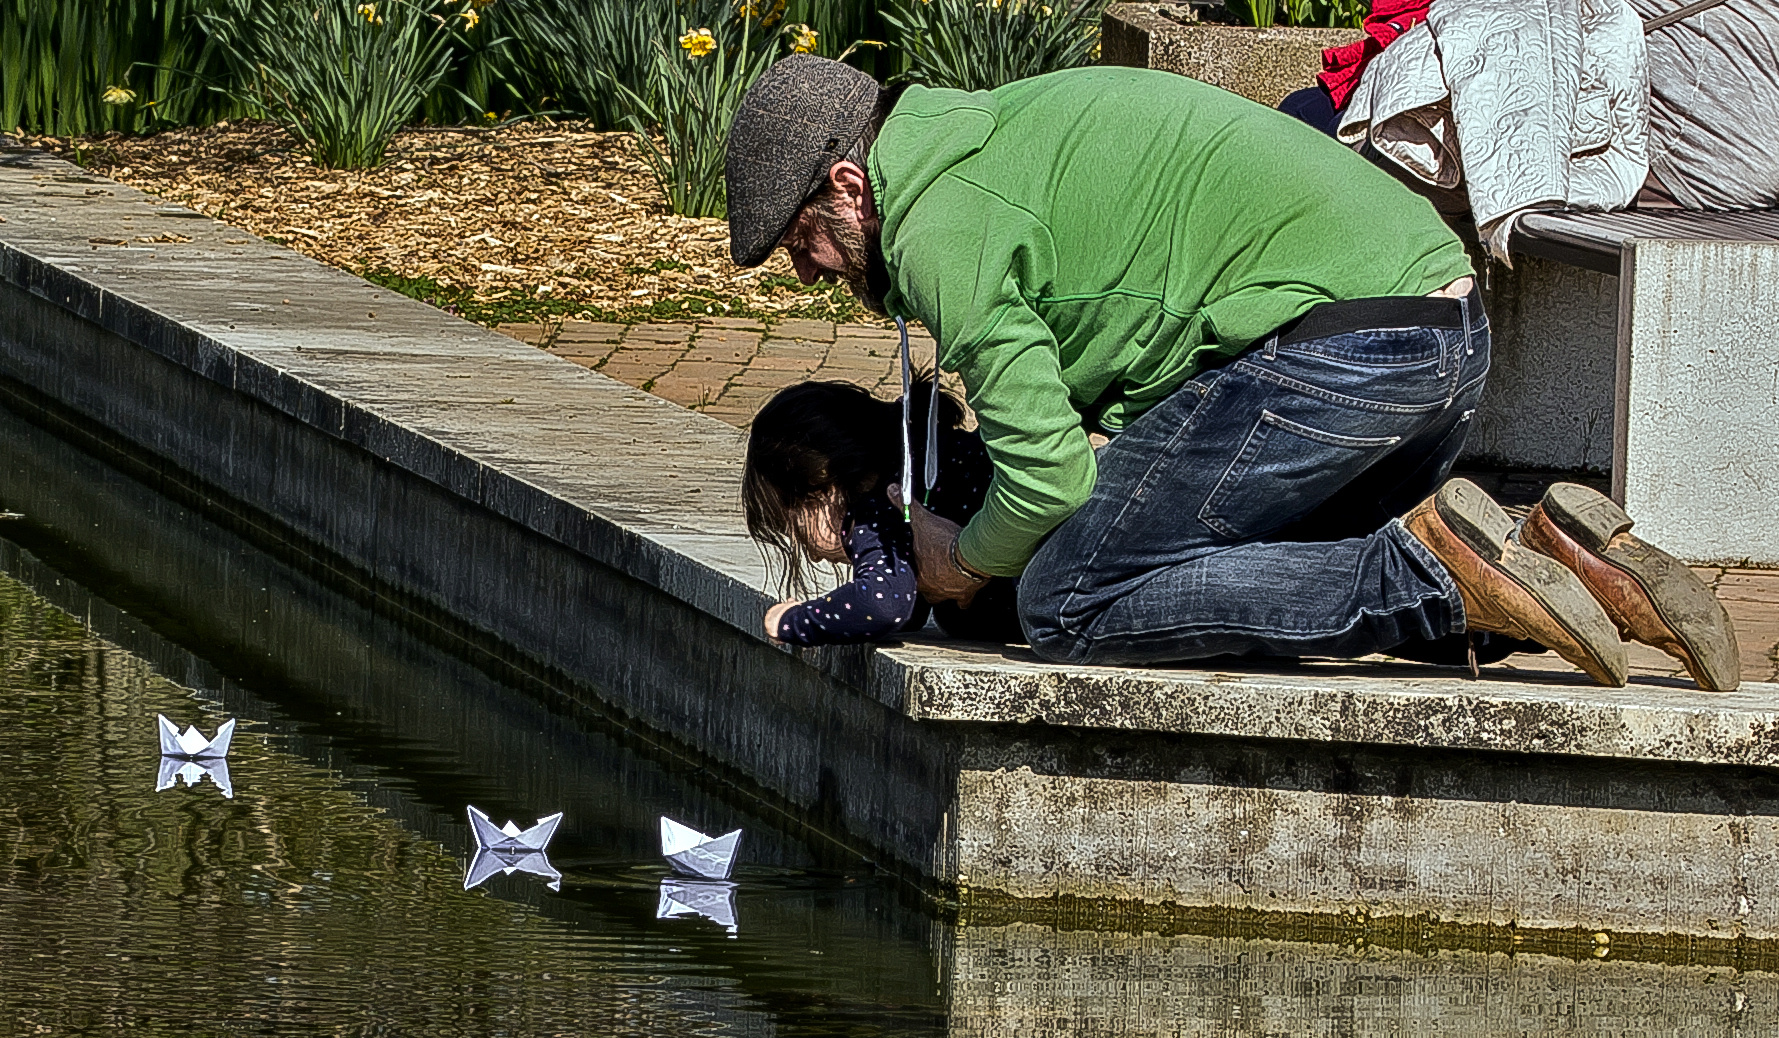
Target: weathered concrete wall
1358,830
1260,64
1697,449
1549,401
595,532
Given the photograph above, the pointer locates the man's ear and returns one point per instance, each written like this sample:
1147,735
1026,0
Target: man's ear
850,182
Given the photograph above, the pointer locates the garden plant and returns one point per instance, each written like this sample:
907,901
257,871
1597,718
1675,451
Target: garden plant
1327,14
343,76
86,66
974,45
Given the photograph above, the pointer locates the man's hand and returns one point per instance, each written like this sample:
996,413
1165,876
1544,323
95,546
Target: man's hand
776,614
938,577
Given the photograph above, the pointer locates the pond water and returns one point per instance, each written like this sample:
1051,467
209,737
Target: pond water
326,895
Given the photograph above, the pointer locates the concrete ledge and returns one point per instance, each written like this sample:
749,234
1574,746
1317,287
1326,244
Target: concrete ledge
595,531
1334,702
1260,64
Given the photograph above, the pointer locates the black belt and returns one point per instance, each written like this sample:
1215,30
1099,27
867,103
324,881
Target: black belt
1361,315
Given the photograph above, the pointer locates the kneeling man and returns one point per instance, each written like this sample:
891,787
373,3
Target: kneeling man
1284,345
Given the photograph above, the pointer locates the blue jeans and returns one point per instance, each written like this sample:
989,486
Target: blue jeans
1255,510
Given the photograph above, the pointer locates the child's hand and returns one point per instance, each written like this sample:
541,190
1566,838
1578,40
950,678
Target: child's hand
775,615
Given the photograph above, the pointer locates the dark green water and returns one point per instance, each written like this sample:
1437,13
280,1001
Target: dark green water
301,905
326,897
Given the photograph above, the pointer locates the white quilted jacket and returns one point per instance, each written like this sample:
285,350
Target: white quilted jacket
1525,103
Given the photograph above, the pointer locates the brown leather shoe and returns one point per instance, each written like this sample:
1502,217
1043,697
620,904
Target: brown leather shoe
1510,589
1652,596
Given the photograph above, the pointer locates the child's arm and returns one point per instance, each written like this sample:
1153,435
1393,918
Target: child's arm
878,601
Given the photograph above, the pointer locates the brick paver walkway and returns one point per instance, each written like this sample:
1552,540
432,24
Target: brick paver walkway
727,368
1750,596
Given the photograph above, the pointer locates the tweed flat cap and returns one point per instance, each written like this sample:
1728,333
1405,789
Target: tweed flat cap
799,119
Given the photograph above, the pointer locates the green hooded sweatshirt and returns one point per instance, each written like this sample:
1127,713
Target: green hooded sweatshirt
1080,243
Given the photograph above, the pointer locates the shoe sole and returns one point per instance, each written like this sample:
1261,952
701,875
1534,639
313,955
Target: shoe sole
1537,598
1651,596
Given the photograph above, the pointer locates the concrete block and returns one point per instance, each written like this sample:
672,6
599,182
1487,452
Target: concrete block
1260,64
1696,455
1549,399
1522,861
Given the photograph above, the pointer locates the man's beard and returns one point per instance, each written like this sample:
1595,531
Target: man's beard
861,252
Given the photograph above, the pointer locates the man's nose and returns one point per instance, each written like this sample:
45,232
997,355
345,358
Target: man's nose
806,269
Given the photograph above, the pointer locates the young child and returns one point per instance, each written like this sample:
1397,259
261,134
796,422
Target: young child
820,459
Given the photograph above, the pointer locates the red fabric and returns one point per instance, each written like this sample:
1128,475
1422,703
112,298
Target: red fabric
1341,66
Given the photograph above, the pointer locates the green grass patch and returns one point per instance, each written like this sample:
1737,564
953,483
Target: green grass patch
657,267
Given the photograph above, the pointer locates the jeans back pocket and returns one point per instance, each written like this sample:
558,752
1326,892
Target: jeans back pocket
1283,471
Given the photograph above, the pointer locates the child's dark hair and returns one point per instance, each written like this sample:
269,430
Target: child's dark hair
814,438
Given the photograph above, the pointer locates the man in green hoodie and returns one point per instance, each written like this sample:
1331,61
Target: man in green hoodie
1283,345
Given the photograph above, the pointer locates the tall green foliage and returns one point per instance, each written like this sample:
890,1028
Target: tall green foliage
1331,14
983,44
585,56
674,71
839,24
59,59
694,91
341,76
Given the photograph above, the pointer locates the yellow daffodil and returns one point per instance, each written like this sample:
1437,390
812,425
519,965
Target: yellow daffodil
479,4
368,12
698,43
804,39
470,17
118,95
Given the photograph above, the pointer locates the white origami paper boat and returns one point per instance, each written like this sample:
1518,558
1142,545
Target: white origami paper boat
692,853
709,899
508,849
191,744
192,772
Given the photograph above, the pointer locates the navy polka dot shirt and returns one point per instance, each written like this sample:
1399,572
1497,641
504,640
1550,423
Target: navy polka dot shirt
881,598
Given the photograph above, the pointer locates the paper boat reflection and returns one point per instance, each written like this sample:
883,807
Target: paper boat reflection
508,849
174,769
709,899
187,756
487,862
692,853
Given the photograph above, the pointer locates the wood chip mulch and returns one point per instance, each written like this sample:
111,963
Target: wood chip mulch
504,223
